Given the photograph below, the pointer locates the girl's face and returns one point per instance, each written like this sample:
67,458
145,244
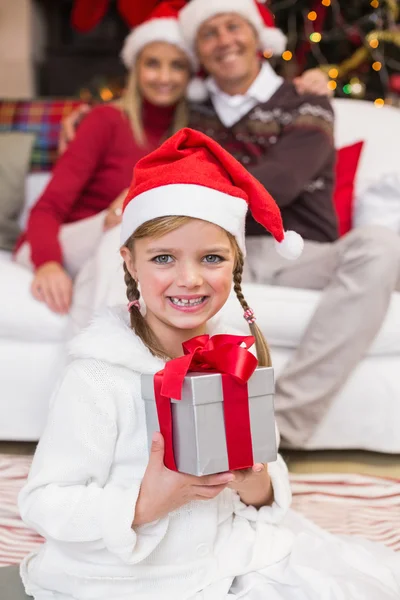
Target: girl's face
185,277
163,73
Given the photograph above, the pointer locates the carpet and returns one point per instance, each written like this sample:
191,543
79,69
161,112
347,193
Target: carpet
341,503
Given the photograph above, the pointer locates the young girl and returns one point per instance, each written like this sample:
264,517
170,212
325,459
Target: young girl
118,524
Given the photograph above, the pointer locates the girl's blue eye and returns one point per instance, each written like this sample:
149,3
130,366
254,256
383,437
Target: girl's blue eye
213,259
163,259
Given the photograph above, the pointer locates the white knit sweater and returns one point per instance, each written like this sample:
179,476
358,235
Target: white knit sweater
85,480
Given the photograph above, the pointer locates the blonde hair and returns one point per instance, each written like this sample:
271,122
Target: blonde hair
157,228
131,104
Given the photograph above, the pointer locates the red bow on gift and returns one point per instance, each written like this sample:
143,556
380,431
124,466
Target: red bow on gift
225,354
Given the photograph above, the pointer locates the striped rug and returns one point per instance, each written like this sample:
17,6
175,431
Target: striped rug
342,504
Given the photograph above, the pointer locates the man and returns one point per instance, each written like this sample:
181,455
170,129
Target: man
286,141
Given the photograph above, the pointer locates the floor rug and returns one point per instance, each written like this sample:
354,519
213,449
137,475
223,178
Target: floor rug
342,504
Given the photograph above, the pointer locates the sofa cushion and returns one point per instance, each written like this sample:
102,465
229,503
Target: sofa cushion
41,117
343,197
21,316
15,152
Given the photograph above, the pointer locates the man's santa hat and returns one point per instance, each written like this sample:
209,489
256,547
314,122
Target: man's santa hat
195,12
160,26
193,15
191,175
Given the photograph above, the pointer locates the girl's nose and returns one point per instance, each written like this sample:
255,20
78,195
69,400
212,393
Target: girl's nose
189,276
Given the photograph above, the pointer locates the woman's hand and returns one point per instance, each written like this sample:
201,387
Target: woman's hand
114,212
163,491
69,126
52,285
254,485
313,81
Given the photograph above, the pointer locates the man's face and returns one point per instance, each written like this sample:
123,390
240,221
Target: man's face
227,47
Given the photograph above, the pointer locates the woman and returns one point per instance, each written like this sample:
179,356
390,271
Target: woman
86,190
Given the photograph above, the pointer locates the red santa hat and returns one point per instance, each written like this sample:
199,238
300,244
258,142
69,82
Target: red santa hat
160,26
195,12
191,175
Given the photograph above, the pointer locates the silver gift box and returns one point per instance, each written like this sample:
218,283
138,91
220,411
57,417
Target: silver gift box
198,421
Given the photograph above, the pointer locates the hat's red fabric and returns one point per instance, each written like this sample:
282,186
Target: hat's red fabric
191,157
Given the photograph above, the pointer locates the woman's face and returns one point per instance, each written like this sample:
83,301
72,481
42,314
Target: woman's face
163,73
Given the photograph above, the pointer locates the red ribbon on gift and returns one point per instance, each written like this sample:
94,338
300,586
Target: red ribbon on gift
224,354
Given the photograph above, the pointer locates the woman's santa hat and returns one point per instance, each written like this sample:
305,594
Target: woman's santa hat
193,15
191,175
160,26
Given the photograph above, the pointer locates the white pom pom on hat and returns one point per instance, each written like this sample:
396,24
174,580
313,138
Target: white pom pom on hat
291,246
196,90
192,175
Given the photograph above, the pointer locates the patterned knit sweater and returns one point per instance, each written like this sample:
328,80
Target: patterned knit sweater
287,144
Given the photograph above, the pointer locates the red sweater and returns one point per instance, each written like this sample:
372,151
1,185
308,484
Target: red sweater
93,171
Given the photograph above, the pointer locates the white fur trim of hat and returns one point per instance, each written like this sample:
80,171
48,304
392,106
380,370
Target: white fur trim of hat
156,30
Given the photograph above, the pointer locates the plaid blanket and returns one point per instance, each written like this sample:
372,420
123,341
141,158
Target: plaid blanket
41,117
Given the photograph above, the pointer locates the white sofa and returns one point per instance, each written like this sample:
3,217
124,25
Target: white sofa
366,414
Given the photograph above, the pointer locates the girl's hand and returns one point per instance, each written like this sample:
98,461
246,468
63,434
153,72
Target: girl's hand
52,285
163,491
313,81
254,485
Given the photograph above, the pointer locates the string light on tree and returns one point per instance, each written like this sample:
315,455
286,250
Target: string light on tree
332,85
379,102
357,88
377,65
315,37
374,43
326,2
312,15
287,55
333,73
374,3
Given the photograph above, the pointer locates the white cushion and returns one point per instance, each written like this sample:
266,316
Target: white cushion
35,184
283,314
21,316
379,127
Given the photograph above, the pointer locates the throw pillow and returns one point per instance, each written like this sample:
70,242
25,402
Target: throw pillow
343,197
15,155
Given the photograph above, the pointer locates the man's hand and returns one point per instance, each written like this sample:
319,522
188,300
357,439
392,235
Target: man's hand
313,81
163,491
52,285
69,126
114,212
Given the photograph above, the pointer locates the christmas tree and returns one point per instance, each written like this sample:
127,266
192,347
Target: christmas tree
356,42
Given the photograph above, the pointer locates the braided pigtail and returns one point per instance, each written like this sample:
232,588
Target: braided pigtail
138,322
263,353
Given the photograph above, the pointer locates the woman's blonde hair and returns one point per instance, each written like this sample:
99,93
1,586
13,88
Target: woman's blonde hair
157,228
131,104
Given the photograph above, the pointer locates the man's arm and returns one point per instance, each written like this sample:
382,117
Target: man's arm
299,154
